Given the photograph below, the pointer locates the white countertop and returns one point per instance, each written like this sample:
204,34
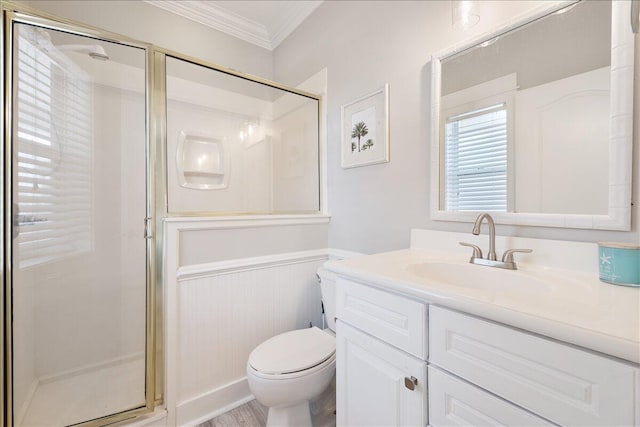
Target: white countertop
578,308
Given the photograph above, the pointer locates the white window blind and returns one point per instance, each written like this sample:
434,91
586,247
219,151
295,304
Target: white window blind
476,160
53,136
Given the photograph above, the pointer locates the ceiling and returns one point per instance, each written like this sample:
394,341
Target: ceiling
263,23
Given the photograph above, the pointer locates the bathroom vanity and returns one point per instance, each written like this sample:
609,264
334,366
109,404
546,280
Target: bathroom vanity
425,338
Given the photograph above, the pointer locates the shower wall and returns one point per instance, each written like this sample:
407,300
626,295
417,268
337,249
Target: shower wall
294,154
199,109
263,140
111,307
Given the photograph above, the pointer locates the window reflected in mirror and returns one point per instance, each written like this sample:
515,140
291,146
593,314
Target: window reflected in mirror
524,118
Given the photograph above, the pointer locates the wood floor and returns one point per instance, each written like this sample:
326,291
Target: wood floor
250,414
253,414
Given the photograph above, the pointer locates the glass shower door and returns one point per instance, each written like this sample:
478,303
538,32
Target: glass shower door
79,259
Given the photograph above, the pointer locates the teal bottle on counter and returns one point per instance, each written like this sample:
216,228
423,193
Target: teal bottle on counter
619,263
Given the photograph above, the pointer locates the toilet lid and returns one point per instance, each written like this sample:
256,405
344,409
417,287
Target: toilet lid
293,351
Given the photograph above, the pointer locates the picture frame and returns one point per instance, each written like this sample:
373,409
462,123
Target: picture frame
365,130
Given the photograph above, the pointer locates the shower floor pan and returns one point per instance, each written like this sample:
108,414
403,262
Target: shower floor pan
84,396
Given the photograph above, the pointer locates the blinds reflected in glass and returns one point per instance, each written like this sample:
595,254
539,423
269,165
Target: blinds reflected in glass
54,136
476,160
79,256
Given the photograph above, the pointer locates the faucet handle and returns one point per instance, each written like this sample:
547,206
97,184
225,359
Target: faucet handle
477,252
508,254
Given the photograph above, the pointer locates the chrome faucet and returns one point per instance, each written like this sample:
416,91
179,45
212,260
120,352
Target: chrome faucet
491,260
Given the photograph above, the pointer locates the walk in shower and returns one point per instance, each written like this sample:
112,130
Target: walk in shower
103,136
77,174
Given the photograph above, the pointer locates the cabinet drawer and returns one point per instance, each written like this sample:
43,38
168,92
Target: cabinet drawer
453,402
370,382
396,320
563,384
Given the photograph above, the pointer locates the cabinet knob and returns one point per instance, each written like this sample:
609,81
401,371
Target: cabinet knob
410,382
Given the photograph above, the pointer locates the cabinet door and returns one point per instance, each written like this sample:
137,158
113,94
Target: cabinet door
454,402
371,388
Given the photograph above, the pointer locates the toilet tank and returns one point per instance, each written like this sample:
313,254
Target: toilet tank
328,289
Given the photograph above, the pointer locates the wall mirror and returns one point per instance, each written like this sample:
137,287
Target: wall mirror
533,122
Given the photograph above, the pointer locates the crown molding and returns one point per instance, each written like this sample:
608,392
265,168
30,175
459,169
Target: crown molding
207,13
268,37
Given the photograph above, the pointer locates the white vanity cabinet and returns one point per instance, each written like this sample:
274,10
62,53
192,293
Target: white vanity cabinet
404,362
381,372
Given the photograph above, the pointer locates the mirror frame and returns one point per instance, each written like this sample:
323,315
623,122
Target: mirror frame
620,129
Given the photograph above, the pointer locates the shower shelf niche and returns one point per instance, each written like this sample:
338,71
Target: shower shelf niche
202,162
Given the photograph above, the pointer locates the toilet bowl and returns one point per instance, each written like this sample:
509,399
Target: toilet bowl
287,371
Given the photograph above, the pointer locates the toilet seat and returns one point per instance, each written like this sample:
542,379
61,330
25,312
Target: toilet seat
327,363
293,353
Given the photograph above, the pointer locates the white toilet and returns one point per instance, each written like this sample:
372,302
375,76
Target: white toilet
288,370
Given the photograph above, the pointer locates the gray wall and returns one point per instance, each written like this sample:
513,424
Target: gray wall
364,45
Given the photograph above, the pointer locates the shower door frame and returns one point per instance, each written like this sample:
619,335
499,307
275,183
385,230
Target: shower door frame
151,229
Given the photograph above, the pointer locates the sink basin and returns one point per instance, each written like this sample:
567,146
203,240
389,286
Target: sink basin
483,278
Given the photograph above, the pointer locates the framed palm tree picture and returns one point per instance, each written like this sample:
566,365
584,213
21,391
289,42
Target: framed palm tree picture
365,129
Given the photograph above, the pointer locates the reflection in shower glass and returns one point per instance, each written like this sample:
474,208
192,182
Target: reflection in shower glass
257,146
79,256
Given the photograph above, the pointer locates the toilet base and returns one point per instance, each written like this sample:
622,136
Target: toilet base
295,415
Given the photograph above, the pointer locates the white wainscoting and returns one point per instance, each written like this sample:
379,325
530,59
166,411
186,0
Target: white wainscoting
218,304
224,312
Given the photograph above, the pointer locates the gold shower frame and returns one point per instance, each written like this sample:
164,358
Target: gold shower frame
13,13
